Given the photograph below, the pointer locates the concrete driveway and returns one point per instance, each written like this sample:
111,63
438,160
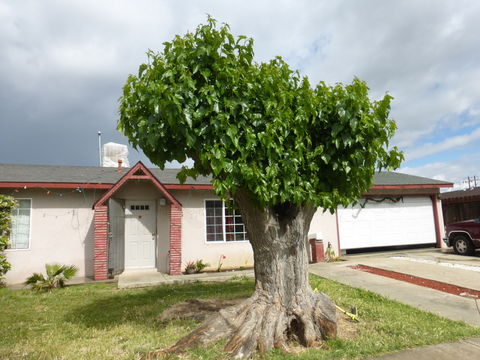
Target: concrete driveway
433,264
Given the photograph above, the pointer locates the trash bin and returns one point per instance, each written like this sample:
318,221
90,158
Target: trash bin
317,250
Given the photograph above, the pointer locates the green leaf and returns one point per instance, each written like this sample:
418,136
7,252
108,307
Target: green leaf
259,127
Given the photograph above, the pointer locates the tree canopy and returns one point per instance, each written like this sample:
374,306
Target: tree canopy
256,126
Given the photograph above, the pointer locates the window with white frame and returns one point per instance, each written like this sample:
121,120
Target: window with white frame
20,233
223,223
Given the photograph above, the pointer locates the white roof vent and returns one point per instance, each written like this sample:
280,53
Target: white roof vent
113,152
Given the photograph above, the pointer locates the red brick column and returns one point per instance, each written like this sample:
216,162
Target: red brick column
100,252
175,240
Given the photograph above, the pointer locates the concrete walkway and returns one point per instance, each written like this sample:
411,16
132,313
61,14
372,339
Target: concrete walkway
139,278
463,349
431,264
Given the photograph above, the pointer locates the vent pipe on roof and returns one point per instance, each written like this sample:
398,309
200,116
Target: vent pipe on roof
100,148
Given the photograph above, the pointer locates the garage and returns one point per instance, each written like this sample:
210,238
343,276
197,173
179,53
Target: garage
387,221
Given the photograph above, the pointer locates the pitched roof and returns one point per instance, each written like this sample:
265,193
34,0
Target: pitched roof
396,178
461,195
81,174
16,173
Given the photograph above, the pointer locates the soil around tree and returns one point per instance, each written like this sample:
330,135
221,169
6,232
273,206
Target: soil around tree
200,309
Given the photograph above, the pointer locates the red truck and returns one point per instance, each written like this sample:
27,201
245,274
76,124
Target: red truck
463,236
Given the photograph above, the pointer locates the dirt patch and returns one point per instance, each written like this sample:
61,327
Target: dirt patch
199,310
432,284
195,309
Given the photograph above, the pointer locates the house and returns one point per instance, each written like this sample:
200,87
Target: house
461,205
109,220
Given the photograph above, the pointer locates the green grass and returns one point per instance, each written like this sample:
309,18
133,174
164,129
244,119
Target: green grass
101,322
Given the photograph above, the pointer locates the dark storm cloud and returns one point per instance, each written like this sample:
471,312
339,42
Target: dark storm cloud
63,63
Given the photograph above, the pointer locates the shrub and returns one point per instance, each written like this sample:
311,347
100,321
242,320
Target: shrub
200,265
7,204
57,275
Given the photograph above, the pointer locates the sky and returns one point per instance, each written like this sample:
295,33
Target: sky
63,65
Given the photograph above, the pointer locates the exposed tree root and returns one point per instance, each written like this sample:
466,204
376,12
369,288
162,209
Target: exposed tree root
261,324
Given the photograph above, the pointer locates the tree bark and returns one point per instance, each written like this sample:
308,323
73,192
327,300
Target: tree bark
283,306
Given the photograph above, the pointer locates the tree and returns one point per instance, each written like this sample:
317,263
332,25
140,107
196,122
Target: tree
277,146
7,204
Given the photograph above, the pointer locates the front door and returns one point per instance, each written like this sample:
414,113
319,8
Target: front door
140,234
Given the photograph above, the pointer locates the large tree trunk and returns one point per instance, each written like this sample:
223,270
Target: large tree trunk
283,307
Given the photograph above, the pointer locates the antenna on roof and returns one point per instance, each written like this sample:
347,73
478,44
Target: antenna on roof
100,148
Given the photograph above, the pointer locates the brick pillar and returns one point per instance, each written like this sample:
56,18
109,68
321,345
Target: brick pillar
175,267
100,252
317,251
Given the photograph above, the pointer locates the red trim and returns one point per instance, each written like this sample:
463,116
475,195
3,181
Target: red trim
54,185
436,221
69,185
131,175
188,187
397,195
432,284
423,186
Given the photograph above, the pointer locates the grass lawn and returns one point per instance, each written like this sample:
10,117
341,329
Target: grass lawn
101,322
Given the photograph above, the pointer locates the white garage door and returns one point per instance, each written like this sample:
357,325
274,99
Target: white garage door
387,223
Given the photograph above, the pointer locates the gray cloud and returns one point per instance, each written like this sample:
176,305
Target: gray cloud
62,64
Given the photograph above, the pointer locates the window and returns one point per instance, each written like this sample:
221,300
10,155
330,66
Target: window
20,234
223,223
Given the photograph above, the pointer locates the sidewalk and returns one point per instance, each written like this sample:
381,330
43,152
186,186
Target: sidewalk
463,349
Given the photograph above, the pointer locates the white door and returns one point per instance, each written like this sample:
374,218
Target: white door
140,234
387,223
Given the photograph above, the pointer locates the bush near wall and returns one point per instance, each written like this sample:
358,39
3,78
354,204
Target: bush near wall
7,204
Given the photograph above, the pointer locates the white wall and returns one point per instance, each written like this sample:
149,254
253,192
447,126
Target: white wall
324,225
61,232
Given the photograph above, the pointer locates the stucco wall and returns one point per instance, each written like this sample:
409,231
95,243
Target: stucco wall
194,244
138,190
324,225
61,232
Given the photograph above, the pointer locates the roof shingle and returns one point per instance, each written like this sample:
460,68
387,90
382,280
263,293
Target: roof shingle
109,175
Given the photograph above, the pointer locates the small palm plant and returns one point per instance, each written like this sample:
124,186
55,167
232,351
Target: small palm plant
57,275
